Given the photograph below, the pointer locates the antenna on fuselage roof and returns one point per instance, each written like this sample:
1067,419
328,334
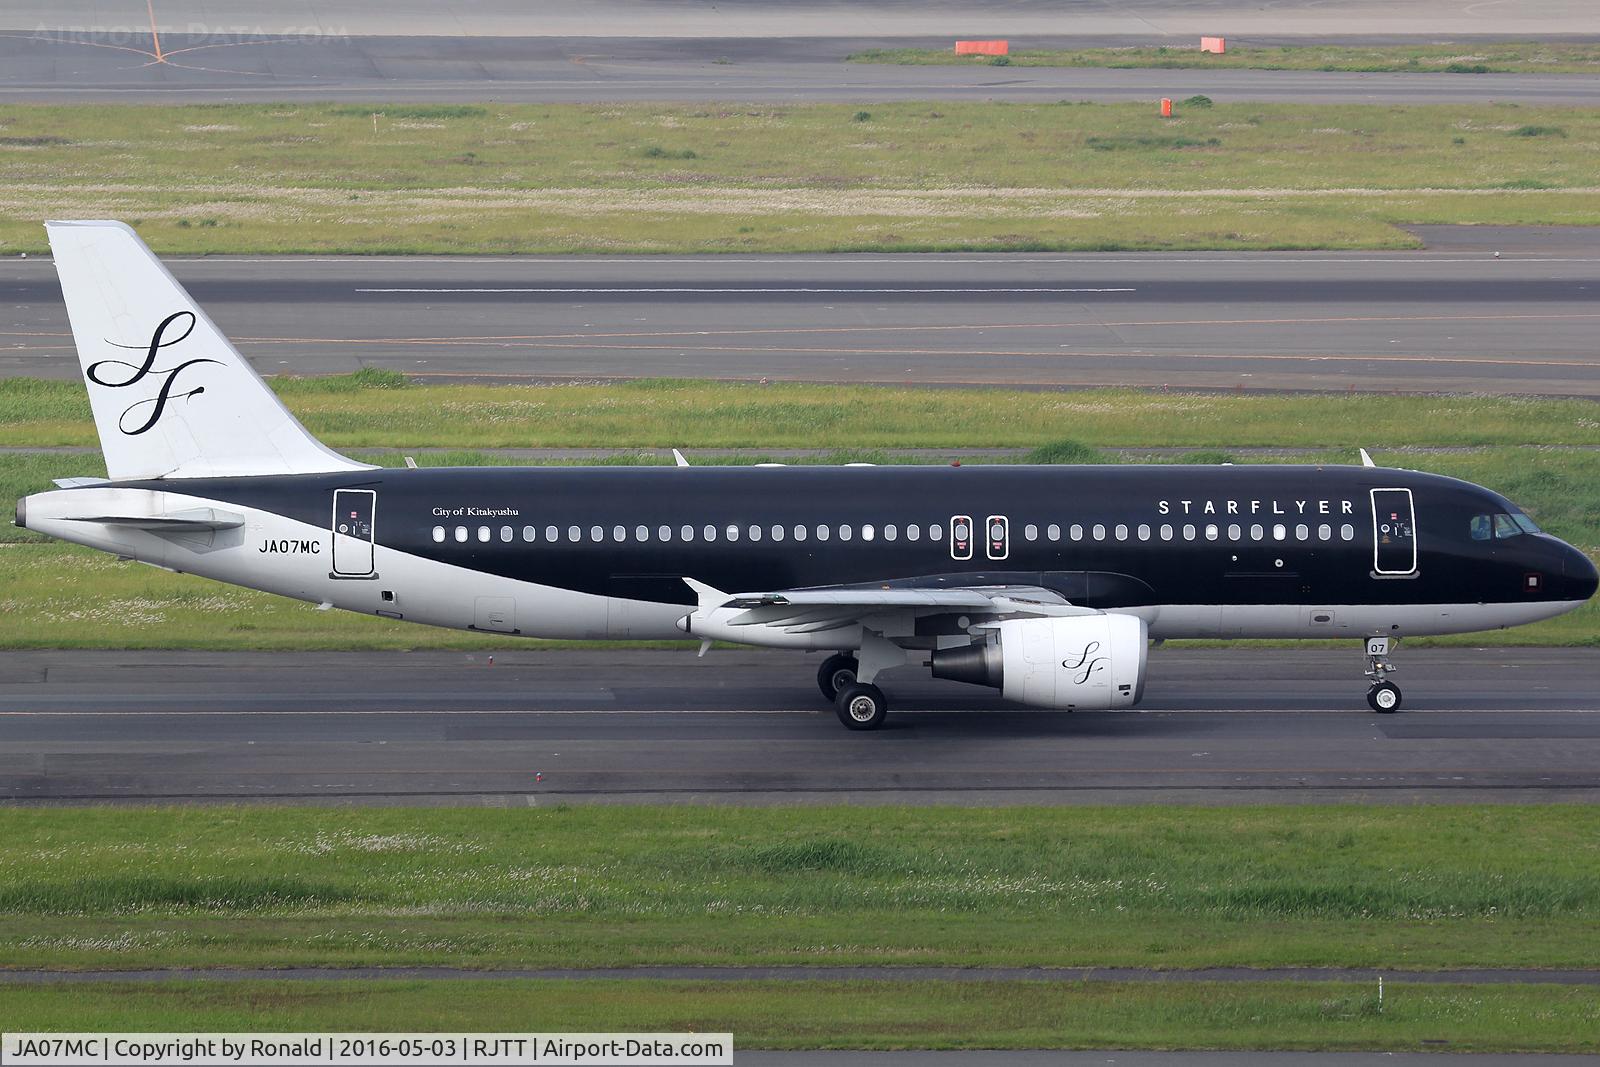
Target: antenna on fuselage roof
1366,460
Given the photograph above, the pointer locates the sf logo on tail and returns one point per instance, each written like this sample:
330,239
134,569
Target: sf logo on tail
158,403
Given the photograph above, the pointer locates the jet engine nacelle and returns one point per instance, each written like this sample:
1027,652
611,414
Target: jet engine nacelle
1091,662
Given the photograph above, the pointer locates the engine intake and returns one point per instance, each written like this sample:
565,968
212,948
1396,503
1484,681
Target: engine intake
1094,662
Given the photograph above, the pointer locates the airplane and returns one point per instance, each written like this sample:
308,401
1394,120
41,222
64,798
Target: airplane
1047,583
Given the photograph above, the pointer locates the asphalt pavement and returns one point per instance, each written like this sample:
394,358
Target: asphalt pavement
618,726
1455,319
130,65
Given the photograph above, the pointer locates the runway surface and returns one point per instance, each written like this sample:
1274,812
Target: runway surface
1450,319
131,64
536,728
789,18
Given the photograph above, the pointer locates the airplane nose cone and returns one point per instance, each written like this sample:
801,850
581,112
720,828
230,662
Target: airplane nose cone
1580,574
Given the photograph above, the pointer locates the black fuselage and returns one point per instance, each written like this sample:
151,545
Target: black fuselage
1102,536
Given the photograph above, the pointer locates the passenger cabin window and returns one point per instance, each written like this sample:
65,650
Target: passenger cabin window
913,532
1076,532
799,532
483,533
461,533
438,533
1053,532
505,533
597,534
527,533
1031,532
1099,532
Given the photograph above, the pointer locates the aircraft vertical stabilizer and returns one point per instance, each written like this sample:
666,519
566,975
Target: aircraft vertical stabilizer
172,398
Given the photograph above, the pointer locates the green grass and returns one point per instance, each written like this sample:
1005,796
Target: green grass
60,596
1393,887
878,1015
772,178
1478,57
376,413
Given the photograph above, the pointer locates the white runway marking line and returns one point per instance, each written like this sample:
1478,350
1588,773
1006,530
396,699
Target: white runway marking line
742,289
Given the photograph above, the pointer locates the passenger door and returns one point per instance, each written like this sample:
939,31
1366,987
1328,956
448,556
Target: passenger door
1394,534
354,532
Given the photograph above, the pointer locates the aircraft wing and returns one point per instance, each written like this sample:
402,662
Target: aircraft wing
809,610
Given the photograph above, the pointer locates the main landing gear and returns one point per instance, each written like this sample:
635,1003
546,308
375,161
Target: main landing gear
847,679
860,706
1384,696
837,672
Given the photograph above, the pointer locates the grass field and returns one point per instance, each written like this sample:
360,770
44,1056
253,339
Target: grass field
1394,887
54,595
379,409
1478,57
878,1015
669,178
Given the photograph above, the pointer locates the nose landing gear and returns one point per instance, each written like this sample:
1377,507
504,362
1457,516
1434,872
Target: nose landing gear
1384,696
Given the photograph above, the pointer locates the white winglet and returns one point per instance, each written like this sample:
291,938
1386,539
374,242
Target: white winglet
677,458
1366,460
709,597
171,397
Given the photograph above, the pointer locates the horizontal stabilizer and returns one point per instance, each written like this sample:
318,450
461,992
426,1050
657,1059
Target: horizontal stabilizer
197,519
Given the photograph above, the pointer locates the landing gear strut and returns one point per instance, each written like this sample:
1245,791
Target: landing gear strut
1384,696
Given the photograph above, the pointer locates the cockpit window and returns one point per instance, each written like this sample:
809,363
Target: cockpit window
1501,526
